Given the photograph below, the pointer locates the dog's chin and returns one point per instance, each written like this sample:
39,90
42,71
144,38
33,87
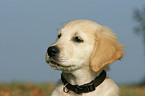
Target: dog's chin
60,66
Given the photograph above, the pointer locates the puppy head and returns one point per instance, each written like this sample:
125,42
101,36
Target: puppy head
73,47
83,42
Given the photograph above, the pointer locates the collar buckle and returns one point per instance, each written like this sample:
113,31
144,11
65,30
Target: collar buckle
84,88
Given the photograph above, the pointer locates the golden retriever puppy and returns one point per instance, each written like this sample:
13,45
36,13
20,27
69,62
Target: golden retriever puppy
83,51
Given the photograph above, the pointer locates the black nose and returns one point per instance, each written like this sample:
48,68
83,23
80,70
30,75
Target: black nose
53,51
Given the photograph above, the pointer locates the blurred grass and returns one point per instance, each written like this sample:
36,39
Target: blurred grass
132,90
45,89
25,89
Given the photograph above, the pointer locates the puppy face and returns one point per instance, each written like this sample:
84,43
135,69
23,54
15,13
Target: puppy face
78,45
75,44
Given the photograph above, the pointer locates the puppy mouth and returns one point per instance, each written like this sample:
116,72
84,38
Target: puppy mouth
58,66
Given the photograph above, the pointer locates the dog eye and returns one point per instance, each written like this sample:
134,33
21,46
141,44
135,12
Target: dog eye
59,35
78,39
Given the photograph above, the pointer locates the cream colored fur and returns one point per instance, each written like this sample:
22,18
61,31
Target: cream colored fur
81,62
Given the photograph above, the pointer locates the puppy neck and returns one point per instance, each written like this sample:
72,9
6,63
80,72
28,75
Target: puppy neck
83,75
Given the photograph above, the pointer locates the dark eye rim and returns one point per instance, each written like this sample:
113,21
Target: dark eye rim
78,39
59,35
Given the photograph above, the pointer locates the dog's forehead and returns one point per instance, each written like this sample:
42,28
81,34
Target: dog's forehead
81,22
85,26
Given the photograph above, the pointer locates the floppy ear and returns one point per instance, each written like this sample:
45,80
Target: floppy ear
106,50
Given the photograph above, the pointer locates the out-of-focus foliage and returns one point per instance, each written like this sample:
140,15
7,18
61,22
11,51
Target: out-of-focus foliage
139,16
45,89
25,89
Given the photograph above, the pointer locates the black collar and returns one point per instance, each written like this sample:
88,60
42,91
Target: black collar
89,87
